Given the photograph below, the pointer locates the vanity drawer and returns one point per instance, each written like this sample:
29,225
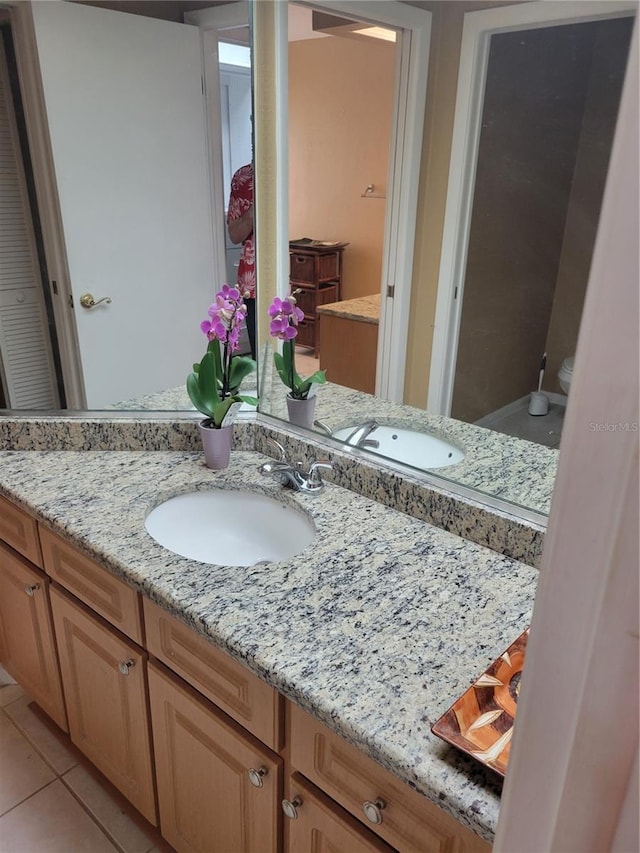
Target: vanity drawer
308,299
314,267
20,531
408,821
322,824
214,673
112,598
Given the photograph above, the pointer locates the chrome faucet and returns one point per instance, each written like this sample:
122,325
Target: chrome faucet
291,474
358,437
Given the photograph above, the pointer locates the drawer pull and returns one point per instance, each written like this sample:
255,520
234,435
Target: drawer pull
255,776
373,811
31,590
290,808
125,665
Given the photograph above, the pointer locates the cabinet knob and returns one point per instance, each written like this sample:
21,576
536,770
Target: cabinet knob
373,811
255,776
31,590
125,665
290,807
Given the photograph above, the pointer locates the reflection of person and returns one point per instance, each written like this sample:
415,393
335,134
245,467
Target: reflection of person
240,228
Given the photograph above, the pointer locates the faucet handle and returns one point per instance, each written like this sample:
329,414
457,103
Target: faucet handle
275,445
313,477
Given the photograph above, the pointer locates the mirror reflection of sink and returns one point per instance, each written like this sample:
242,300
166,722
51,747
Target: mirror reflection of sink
407,446
229,528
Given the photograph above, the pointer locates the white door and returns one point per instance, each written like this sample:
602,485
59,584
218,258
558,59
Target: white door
237,150
124,103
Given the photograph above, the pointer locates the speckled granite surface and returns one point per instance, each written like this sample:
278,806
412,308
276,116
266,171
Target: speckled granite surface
376,628
408,491
364,308
92,432
496,465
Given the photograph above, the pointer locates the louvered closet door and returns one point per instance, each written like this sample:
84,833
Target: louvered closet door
26,365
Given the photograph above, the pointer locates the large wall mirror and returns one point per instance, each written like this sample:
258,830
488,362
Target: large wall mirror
399,135
116,177
471,382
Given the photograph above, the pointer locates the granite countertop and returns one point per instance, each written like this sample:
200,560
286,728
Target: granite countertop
497,465
376,628
363,308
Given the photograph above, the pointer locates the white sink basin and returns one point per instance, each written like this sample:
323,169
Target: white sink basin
229,528
408,446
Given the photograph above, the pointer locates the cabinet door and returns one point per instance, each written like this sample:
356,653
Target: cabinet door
404,818
207,801
27,646
321,826
103,675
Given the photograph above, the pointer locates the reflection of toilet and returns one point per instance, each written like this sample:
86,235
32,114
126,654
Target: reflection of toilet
565,373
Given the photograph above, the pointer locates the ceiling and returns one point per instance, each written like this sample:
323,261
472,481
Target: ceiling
168,10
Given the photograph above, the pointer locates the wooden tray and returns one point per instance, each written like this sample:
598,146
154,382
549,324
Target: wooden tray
480,723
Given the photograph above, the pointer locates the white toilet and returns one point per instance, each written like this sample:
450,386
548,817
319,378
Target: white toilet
565,373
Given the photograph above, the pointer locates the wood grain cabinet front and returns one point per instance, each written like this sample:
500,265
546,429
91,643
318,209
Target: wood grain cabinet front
94,585
404,818
27,642
218,787
215,674
104,679
316,824
20,531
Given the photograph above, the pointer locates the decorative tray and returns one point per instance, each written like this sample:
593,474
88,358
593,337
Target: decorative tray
480,723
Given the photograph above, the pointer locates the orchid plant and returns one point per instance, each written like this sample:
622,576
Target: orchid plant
214,383
285,316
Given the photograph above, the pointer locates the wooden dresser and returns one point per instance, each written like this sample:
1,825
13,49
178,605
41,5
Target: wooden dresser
315,271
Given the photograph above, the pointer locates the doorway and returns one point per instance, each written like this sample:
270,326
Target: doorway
30,376
536,108
340,99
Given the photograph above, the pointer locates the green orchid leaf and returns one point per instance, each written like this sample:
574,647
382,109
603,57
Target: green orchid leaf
318,378
208,376
241,367
193,390
280,367
251,401
221,410
214,349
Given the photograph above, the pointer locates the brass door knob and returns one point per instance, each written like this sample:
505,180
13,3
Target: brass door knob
87,300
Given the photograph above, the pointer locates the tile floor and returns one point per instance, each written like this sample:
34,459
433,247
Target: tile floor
515,420
51,799
306,364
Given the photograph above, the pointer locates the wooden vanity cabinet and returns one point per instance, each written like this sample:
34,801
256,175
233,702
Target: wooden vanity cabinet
105,594
20,531
27,643
402,817
249,701
313,822
192,721
105,686
218,787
